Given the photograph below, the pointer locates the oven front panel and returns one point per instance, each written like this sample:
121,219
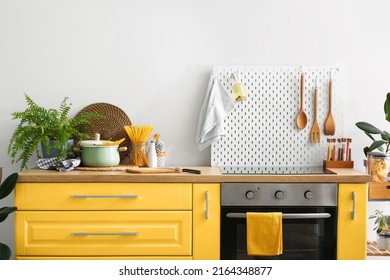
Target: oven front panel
303,239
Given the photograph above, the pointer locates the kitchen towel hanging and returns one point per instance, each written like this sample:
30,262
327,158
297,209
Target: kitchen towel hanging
264,233
217,105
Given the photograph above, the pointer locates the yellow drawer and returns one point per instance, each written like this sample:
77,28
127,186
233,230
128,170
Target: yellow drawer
22,258
379,190
103,196
103,233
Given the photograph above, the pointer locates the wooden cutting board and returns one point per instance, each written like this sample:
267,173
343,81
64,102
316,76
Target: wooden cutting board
148,170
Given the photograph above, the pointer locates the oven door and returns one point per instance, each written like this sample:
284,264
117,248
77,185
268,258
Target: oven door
303,238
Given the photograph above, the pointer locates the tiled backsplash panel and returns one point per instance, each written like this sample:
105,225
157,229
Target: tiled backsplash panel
262,129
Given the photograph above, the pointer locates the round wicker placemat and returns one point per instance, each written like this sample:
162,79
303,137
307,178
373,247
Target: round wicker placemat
110,127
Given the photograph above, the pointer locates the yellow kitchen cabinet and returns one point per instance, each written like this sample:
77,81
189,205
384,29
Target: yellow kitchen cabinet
352,221
103,233
103,196
206,219
117,220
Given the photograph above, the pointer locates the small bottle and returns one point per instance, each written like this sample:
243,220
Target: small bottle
238,89
152,155
343,149
334,150
339,150
348,149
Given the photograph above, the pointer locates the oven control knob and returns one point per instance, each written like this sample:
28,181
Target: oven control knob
279,194
309,194
250,195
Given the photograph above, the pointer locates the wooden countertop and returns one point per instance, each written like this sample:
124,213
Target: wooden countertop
209,175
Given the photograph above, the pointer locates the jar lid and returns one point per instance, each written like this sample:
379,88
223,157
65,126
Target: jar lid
378,154
385,233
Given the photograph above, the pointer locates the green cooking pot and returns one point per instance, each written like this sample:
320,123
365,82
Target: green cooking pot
93,154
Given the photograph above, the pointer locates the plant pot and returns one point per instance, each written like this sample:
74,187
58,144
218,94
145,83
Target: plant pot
383,241
53,151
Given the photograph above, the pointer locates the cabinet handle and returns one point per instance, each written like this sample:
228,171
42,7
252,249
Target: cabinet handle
287,216
105,233
353,205
103,196
207,205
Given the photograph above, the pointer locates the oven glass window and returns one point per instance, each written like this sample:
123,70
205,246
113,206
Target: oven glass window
303,239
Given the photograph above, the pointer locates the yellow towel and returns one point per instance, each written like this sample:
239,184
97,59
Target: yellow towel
264,233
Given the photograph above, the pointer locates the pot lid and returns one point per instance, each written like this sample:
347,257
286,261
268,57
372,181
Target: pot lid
91,143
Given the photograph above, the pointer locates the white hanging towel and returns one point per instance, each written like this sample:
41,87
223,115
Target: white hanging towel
217,105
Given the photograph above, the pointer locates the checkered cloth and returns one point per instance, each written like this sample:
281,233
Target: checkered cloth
58,163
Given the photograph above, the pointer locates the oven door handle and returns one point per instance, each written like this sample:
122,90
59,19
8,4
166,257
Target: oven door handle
291,216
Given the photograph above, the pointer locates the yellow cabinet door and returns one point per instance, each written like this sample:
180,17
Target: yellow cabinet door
103,196
103,233
206,219
352,222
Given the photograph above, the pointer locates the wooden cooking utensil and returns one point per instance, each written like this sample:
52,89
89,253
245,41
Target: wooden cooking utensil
147,170
330,125
315,130
301,117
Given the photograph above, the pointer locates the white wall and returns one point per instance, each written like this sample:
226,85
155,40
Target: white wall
152,58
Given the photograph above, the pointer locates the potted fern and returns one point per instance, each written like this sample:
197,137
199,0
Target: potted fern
47,127
5,189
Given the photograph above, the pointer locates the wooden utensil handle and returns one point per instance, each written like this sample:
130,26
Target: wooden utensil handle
315,103
330,94
302,88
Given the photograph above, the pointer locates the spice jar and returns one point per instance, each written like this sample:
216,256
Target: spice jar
378,166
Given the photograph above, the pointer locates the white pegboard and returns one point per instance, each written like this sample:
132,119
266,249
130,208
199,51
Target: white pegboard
262,130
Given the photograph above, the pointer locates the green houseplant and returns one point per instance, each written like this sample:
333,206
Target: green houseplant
382,144
382,222
6,187
39,125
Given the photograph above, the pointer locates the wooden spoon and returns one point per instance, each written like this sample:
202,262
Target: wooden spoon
301,117
330,125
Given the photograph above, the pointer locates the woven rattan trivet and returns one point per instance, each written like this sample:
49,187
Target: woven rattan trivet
110,127
106,168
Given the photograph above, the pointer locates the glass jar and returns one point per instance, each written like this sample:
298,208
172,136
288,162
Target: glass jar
138,154
378,166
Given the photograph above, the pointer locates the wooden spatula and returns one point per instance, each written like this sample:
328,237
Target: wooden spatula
330,125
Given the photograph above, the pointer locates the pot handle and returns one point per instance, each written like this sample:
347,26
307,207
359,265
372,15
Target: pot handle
122,149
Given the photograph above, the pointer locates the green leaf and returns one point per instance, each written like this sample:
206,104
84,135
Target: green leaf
8,185
376,144
368,128
5,252
387,107
369,135
385,136
5,211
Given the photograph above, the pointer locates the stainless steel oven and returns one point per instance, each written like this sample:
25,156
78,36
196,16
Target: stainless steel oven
309,218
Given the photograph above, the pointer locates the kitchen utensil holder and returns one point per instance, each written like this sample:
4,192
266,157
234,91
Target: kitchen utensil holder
338,164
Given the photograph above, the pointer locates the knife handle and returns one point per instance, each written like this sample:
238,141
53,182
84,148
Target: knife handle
194,171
